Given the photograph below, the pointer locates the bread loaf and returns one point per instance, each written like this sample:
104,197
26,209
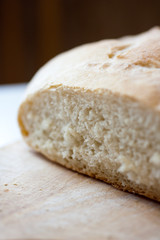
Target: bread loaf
96,110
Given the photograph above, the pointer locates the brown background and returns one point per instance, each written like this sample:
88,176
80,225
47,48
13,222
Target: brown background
33,31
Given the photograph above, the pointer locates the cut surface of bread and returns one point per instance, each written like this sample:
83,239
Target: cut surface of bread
96,109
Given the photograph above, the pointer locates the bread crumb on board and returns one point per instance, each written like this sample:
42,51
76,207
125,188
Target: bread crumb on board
6,190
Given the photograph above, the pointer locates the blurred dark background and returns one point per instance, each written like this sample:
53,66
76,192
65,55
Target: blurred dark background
33,31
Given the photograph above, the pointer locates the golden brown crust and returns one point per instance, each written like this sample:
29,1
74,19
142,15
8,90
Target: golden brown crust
128,66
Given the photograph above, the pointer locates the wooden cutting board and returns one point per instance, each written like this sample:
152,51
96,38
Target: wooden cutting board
42,200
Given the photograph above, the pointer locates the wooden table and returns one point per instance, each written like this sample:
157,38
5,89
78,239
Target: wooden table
42,200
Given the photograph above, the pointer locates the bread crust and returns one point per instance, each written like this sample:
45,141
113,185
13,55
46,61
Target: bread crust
129,66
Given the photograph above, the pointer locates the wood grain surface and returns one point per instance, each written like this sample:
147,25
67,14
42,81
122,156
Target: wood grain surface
42,200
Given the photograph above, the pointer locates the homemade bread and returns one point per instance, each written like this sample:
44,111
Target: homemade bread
96,109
